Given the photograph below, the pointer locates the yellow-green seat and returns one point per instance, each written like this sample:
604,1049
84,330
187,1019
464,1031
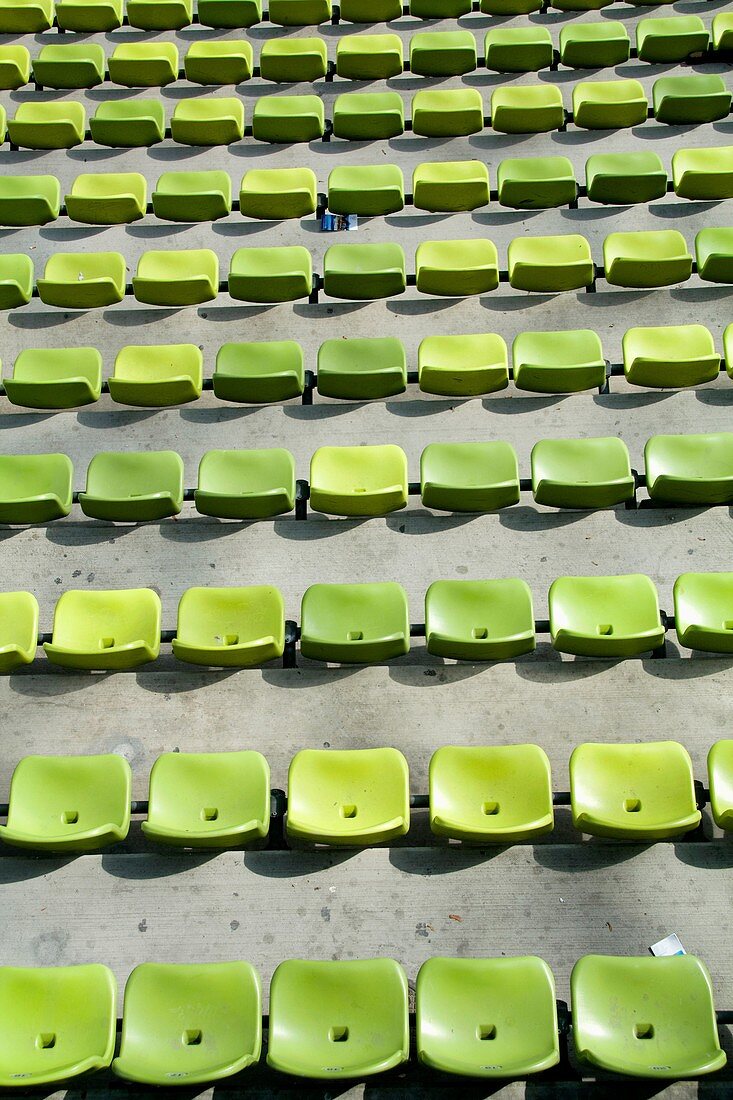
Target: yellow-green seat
69,66
189,1023
107,198
550,264
25,16
615,616
714,254
727,349
275,274
469,477
358,481
68,803
56,125
609,104
457,268
246,484
597,45
670,356
722,28
208,800
354,624
193,196
463,366
690,469
450,185
229,13
290,61
442,53
181,277
580,5
16,280
128,124
369,56
219,62
558,362
647,258
300,13
278,193
350,797
215,121
272,370
366,190
703,615
663,41
143,64
88,16
288,119
509,7
581,473
35,488
133,486
690,100
463,1002
117,629
703,173
341,1019
156,375
15,66
358,272
720,773
29,200
455,112
230,628
56,1022
160,15
83,280
370,11
527,109
625,177
18,629
55,378
362,368
479,621
518,49
536,183
367,116
439,9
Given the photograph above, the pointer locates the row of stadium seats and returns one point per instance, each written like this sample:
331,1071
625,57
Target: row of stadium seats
487,620
193,1023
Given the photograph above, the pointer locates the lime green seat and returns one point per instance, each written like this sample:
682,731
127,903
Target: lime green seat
25,16
56,1022
457,268
107,198
720,774
369,56
456,112
68,803
703,173
670,356
118,629
230,628
278,193
128,124
358,481
442,53
279,274
598,45
219,62
370,11
89,16
133,486
558,362
160,15
479,621
462,366
288,119
189,1023
259,372
550,264
18,629
648,1017
29,200
722,28
536,183
83,280
727,349
339,1019
354,624
581,473
448,186
300,13
35,488
648,258
366,190
16,280
614,616
439,9
714,254
463,1002
703,614
623,178
229,13
368,116
153,376
469,477
527,109
193,196
55,378
580,5
350,797
518,49
609,104
216,121
177,278
690,469
15,67
143,64
509,7
246,484
208,800
69,66
289,61
690,100
359,272
57,125
662,41
362,368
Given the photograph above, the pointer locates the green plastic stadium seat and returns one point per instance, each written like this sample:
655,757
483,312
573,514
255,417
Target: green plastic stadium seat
362,369
369,56
230,628
670,355
703,614
598,45
714,254
479,621
18,629
354,623
439,9
727,349
449,186
157,375
83,280
246,484
648,258
219,62
370,11
358,481
550,264
580,5
457,268
518,49
143,64
55,378
133,486
15,67
68,803
259,372
189,1023
368,116
192,196
703,173
208,800
456,112
536,183
300,13
229,13
89,16
662,41
350,797
609,104
119,629
107,198
286,119
581,473
16,280
128,124
469,477
359,272
527,109
690,469
35,488
648,1017
690,100
288,61
366,190
182,277
278,193
25,16
509,7
57,125
722,27
558,362
463,366
69,66
160,15
605,616
279,274
29,200
462,1002
625,177
720,773
359,1004
442,53
208,121
56,1022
